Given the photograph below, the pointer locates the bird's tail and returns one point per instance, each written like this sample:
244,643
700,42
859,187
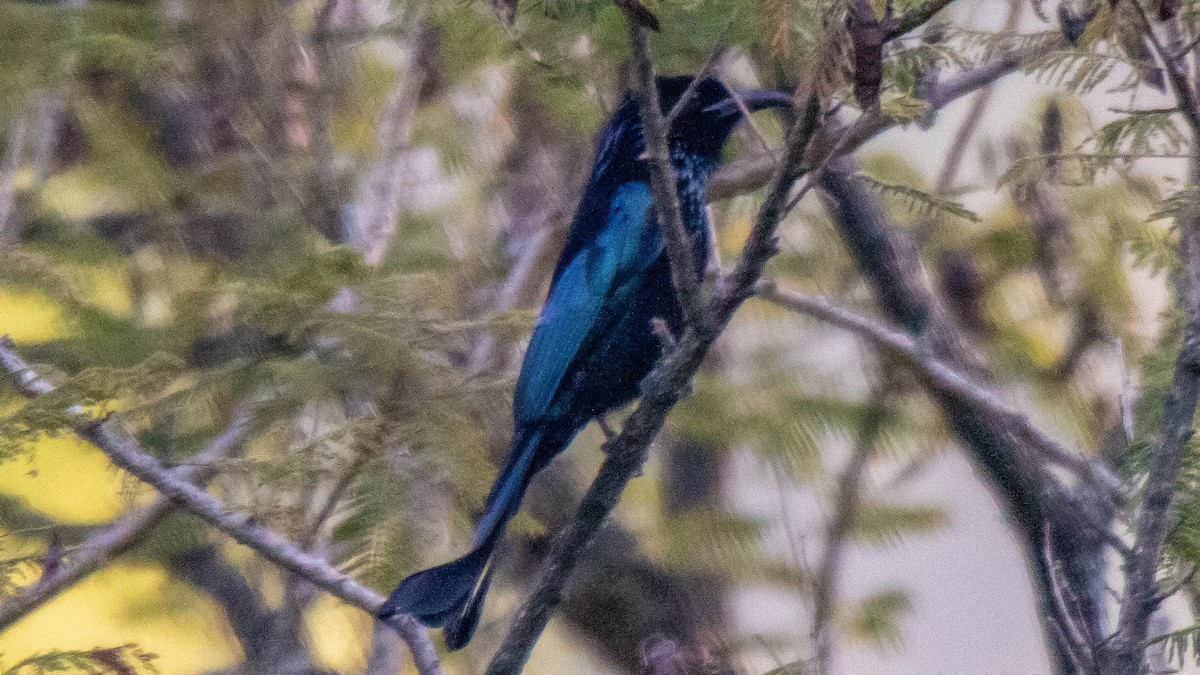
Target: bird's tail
452,594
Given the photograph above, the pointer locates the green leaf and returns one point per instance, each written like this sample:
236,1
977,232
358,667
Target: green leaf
884,524
919,202
877,617
903,107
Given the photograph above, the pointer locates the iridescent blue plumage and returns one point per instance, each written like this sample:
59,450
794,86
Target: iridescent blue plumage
593,342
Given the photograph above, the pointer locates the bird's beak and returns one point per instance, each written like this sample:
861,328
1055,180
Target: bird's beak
755,100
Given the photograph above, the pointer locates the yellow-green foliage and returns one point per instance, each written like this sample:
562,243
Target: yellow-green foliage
389,385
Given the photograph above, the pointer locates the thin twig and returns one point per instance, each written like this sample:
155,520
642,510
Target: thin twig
126,532
1183,51
1077,647
748,119
312,533
962,137
847,503
680,249
125,452
941,374
529,270
815,175
752,173
915,18
1185,96
763,243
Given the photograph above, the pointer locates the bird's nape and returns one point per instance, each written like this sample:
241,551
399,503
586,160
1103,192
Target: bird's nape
706,112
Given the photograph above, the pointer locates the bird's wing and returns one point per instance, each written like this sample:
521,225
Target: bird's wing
587,294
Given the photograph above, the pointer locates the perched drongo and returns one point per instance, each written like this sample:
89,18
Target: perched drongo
593,342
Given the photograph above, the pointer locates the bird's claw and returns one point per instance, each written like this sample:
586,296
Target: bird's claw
609,433
662,331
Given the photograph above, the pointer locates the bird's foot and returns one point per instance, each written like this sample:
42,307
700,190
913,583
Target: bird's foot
609,432
662,331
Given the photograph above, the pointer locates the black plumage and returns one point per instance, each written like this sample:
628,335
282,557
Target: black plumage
593,342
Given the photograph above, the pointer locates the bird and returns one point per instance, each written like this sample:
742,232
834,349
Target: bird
599,331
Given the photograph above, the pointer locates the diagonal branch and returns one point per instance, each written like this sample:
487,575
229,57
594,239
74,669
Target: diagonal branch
1124,649
103,546
662,176
943,376
1037,502
123,450
1181,88
1122,654
752,173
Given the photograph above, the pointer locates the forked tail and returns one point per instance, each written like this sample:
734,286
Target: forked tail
452,594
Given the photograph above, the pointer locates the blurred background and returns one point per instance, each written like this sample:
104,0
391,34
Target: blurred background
346,212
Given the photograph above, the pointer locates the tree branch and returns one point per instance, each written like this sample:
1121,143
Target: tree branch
1076,516
846,508
1122,653
379,205
249,617
1185,96
14,149
915,18
680,249
123,450
661,389
752,173
127,531
942,376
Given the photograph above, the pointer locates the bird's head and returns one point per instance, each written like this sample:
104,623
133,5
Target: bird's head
703,124
710,112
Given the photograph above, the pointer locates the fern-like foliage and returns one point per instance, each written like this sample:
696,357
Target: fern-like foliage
17,573
918,202
1180,647
1179,204
877,617
97,390
884,524
1081,72
706,542
1142,132
127,659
